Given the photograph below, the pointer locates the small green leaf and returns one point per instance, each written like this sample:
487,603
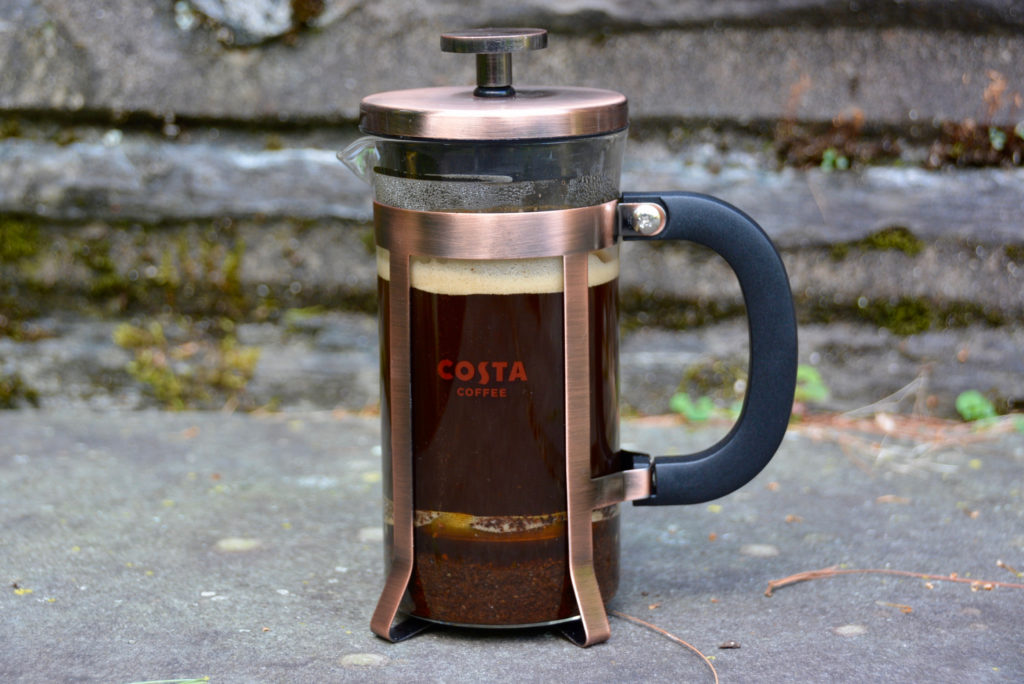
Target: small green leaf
694,411
828,159
997,138
810,387
972,405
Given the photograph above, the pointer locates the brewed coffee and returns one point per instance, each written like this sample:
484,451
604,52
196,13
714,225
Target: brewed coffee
488,437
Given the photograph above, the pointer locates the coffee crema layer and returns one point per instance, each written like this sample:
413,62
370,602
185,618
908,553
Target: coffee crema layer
499,276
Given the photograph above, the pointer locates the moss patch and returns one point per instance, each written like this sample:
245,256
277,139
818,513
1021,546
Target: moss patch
640,308
905,316
716,379
902,316
18,240
898,238
368,240
15,392
185,364
10,128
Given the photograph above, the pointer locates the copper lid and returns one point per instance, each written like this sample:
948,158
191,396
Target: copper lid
494,110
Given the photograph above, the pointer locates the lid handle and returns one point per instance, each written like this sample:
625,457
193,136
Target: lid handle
493,48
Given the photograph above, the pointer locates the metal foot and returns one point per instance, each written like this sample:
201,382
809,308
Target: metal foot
405,628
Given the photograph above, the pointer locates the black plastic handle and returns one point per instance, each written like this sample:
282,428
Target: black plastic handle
755,437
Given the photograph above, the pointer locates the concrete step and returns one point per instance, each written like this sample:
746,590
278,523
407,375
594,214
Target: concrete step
327,360
202,223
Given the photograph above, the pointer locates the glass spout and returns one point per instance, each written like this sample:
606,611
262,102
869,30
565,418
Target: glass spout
361,157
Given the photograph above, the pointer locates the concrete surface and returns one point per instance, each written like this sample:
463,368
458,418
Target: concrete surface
142,546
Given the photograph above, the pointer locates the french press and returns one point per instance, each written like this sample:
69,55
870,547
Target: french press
497,221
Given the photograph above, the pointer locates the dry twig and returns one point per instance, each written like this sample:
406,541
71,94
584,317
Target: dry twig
835,570
668,635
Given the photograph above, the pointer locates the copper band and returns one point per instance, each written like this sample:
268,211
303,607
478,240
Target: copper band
513,235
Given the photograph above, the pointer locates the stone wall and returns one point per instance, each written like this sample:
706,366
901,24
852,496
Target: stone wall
900,63
181,154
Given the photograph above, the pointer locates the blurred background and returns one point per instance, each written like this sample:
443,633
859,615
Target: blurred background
176,231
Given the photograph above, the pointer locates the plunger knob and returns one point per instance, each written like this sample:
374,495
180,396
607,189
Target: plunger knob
493,48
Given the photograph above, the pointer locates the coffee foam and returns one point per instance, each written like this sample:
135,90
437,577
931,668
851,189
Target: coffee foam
499,276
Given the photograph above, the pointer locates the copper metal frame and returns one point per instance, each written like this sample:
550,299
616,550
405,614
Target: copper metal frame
570,234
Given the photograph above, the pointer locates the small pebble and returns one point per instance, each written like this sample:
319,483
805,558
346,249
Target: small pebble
850,630
362,660
318,481
759,550
238,544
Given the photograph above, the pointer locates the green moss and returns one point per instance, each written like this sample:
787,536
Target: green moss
65,137
903,316
232,269
167,274
1015,253
273,143
10,128
15,392
899,238
199,366
128,336
640,308
716,378
18,240
233,302
106,282
359,302
19,330
839,251
368,240
172,389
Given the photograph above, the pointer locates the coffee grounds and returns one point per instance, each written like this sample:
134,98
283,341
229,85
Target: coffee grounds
521,583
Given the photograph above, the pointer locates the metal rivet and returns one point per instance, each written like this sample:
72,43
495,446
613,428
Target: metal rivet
646,219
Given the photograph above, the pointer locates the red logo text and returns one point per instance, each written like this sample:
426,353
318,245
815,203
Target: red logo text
481,374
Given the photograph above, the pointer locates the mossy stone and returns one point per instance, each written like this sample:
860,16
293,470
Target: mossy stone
18,240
